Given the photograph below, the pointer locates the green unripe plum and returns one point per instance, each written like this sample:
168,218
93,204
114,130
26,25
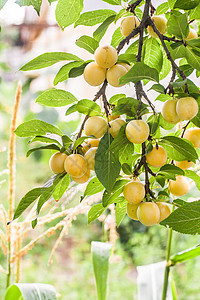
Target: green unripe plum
157,157
106,56
113,75
56,162
94,74
164,210
134,192
148,213
75,165
131,210
179,187
115,126
187,108
90,158
96,126
193,135
128,24
161,24
192,35
137,131
169,112
83,178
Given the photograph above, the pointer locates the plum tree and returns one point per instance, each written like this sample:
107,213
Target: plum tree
114,73
179,187
148,213
83,178
56,162
128,24
106,56
134,192
94,74
89,144
164,210
193,135
115,126
137,131
184,165
157,157
169,112
161,24
75,165
192,34
131,210
90,158
96,126
187,108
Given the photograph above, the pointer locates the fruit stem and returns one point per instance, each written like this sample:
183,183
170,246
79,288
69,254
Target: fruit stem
167,267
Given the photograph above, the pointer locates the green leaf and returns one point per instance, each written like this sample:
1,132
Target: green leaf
71,110
35,3
44,139
185,4
87,43
185,219
178,26
195,13
101,30
51,146
162,8
168,168
94,186
2,3
56,98
194,176
114,99
66,141
185,255
192,58
36,127
138,72
120,212
110,197
67,12
78,71
63,73
107,166
159,88
48,59
171,3
94,17
153,56
184,148
30,291
88,107
79,141
47,194
113,2
95,212
166,67
61,187
129,107
100,258
27,200
126,152
116,37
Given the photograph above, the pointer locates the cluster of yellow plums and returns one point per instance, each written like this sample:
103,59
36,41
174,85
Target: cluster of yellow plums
131,22
105,67
176,110
78,166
